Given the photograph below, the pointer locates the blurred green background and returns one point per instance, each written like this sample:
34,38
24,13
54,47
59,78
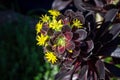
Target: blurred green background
20,57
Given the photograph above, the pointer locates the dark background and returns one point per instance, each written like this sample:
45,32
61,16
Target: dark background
24,6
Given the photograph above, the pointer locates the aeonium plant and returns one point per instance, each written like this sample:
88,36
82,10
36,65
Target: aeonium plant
79,44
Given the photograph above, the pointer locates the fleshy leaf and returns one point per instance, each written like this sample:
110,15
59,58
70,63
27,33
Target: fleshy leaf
111,34
60,4
70,45
92,75
116,53
82,34
107,49
90,18
99,3
66,28
68,35
90,45
75,54
109,17
68,63
83,72
61,49
101,69
66,74
115,30
79,4
50,32
59,75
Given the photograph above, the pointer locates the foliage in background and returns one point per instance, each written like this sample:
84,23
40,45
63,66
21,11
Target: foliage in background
20,58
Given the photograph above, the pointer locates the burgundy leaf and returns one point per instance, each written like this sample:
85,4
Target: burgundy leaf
95,76
99,3
45,27
90,45
115,30
92,76
67,77
111,34
66,21
69,13
116,53
61,49
60,4
83,73
70,45
56,34
43,32
109,17
68,36
82,34
50,32
79,4
101,69
66,28
59,75
66,74
75,36
90,19
75,53
107,49
68,62
107,77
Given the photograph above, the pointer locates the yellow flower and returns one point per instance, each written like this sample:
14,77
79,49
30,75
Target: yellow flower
45,18
54,12
51,57
38,27
77,23
41,39
56,25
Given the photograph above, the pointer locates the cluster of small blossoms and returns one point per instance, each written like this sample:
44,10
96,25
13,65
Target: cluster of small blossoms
59,35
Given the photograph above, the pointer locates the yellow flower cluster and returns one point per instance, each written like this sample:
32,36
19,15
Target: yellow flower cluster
41,39
45,18
38,27
51,57
77,23
52,23
54,12
56,25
